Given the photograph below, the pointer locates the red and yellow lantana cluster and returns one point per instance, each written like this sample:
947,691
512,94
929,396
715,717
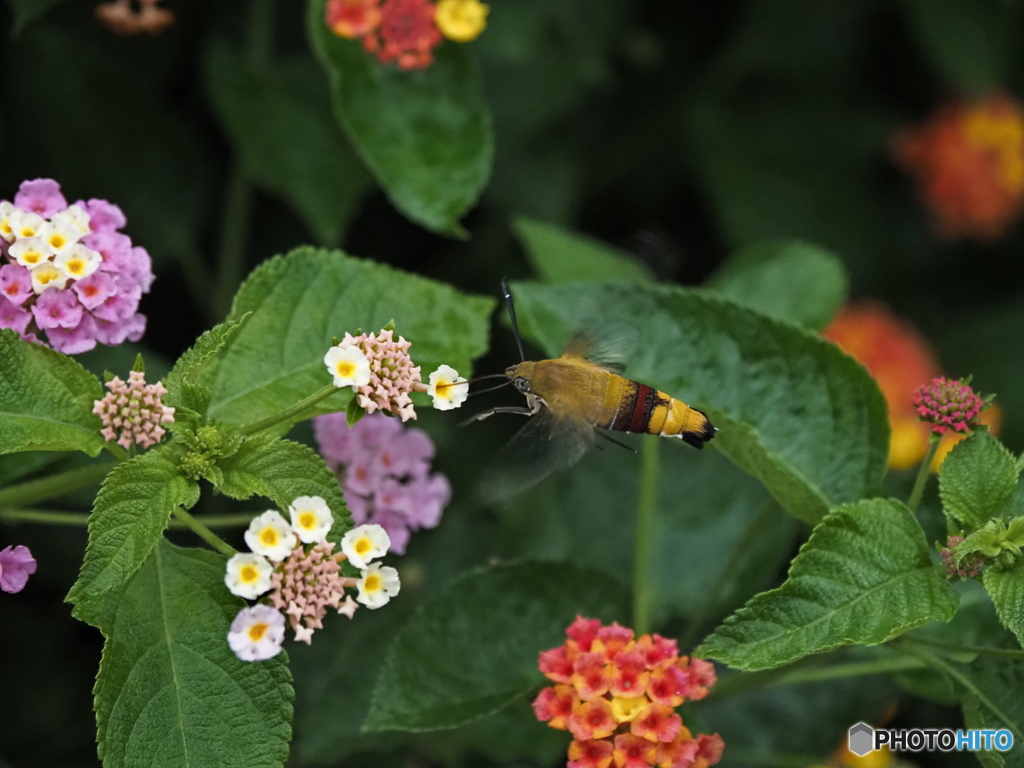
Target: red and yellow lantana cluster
405,31
968,161
617,696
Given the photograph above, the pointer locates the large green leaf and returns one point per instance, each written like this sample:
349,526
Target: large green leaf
473,648
863,577
181,382
559,256
301,301
280,124
998,681
170,693
46,400
1006,588
282,471
791,409
425,134
977,478
717,537
787,279
131,512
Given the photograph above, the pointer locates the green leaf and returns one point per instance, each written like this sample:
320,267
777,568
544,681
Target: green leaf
170,692
790,408
973,719
977,478
1006,588
425,134
131,512
473,648
299,302
183,391
713,546
26,11
863,577
559,256
282,471
280,124
786,279
998,681
970,44
46,400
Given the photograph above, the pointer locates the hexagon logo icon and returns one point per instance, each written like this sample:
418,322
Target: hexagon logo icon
861,739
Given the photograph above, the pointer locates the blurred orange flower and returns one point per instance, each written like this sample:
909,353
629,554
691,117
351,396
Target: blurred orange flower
968,161
900,360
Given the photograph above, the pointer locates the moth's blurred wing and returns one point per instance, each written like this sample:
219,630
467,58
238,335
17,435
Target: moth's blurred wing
543,446
610,346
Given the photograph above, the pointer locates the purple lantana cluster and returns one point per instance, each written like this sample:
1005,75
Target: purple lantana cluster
69,278
384,470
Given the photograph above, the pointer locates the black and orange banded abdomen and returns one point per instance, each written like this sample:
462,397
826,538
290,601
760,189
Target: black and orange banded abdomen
634,407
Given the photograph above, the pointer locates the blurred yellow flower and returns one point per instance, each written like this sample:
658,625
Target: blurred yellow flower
461,20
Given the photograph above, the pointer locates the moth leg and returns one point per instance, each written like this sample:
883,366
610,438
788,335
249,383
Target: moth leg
500,409
611,439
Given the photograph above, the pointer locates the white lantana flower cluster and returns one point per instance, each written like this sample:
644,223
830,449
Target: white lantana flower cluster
296,574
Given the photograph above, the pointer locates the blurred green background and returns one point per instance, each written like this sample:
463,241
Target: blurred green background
674,131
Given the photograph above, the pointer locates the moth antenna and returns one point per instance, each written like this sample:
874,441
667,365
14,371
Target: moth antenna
507,292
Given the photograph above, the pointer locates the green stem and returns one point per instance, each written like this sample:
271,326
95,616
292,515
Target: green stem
645,510
911,647
238,206
116,451
980,650
289,413
734,685
60,484
924,472
81,519
204,533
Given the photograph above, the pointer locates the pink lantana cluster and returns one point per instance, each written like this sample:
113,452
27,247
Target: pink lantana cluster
617,696
948,404
133,411
384,470
68,274
968,568
392,374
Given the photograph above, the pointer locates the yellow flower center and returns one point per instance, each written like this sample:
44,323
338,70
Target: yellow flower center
46,275
57,240
307,520
346,368
248,573
269,537
461,20
75,266
372,583
363,546
625,709
27,232
32,257
257,631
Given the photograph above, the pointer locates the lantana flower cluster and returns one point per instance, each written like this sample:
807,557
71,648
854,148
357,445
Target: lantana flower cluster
968,568
133,411
131,17
68,274
968,162
384,470
381,374
406,31
298,574
617,696
948,404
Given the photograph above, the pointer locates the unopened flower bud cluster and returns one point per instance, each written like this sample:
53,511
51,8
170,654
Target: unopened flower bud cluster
133,411
69,278
297,573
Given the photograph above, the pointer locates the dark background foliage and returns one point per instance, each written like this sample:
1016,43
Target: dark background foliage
677,131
